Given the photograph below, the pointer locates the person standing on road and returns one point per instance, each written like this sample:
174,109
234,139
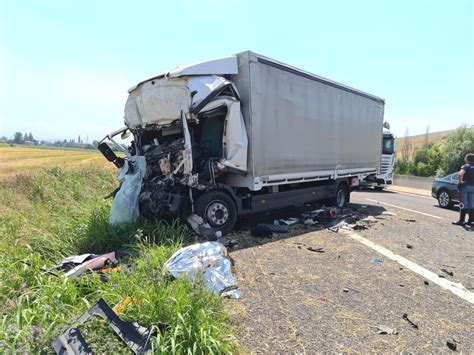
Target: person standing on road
466,191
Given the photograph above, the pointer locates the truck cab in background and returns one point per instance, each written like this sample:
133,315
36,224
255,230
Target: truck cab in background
387,161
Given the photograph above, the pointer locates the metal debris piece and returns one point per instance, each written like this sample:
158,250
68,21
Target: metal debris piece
317,250
405,317
450,273
452,345
369,219
134,335
286,222
208,261
383,329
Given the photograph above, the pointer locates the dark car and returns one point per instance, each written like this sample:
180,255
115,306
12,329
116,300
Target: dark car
445,190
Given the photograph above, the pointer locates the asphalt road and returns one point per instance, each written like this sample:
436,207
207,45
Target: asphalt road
294,299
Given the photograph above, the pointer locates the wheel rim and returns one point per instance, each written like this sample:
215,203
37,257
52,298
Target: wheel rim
217,213
341,198
443,199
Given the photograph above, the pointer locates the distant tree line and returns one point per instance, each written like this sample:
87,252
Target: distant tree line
431,159
28,139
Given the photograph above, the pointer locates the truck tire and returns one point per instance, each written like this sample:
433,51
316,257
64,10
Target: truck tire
218,209
341,197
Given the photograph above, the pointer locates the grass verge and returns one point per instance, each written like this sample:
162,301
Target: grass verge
56,212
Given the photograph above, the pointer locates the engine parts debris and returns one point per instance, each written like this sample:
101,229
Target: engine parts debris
383,329
405,317
134,335
208,261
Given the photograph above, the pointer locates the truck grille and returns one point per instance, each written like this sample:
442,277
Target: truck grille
385,164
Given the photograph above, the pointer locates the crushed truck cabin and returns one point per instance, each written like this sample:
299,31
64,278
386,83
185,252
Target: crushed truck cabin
241,134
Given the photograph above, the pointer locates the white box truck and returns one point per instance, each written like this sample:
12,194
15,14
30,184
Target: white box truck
242,134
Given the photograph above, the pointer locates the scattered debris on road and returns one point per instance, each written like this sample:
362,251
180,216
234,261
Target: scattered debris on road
266,230
405,317
377,260
426,283
446,271
452,345
207,260
409,246
317,250
410,220
383,329
347,289
388,213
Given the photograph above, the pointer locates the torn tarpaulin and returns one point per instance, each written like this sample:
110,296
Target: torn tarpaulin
207,260
133,334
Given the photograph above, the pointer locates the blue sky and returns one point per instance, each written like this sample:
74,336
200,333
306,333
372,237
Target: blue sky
65,66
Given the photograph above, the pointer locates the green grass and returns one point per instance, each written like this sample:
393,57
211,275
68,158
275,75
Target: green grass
55,213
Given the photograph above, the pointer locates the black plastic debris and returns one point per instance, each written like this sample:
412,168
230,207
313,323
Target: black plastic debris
409,246
317,250
266,230
135,336
405,317
451,344
426,283
446,271
383,329
410,220
347,289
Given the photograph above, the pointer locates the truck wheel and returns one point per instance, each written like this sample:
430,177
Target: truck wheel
341,196
218,209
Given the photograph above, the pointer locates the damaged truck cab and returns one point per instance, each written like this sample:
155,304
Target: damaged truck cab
230,136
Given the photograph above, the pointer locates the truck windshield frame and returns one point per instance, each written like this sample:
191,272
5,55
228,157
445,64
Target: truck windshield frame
388,145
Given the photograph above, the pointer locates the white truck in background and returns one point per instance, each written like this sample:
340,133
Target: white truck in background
239,135
387,162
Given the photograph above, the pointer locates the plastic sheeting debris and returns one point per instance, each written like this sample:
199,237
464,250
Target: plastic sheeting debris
208,261
125,204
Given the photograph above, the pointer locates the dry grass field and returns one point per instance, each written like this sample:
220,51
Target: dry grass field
23,159
418,140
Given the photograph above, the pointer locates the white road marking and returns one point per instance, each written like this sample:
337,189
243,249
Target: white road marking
457,288
403,208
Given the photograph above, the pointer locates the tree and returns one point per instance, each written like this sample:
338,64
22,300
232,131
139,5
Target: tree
386,125
457,144
406,146
18,138
30,137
